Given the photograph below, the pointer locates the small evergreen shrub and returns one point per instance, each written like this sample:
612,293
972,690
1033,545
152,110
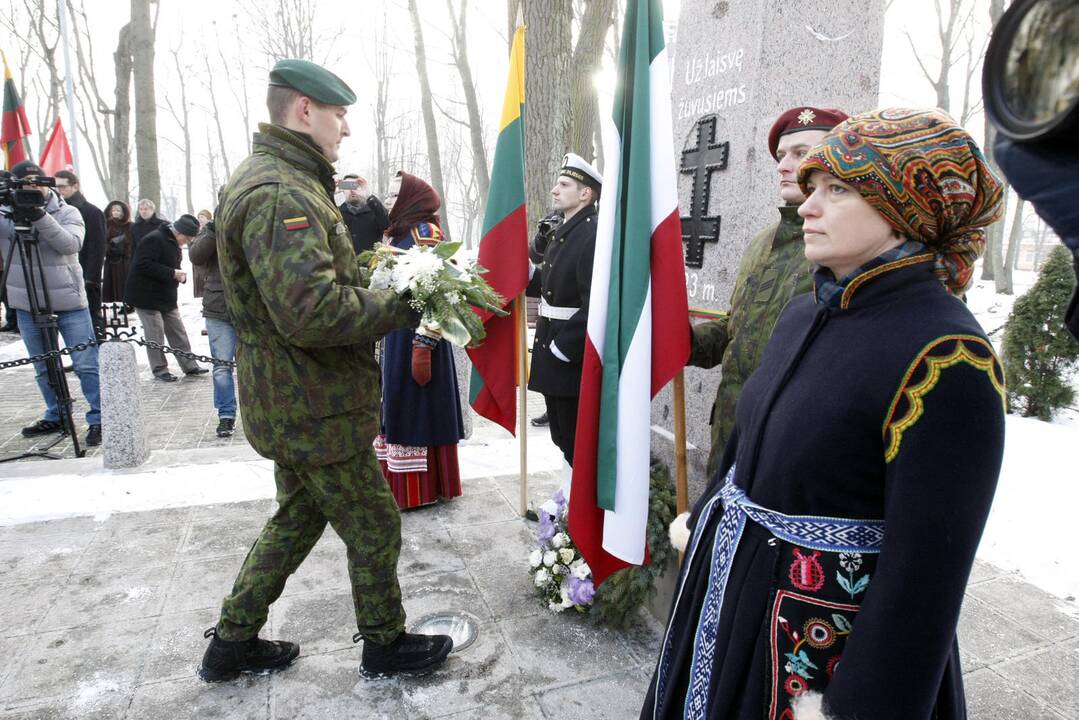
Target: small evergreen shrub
1040,356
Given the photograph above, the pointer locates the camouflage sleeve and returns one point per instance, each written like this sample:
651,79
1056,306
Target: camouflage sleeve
708,342
288,252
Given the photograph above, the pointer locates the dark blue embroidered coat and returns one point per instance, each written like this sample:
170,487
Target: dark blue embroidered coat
413,415
886,403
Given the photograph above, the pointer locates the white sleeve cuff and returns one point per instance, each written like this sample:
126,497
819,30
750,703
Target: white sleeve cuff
558,353
531,270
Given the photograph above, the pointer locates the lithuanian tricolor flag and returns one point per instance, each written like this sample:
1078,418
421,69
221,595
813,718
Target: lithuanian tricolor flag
638,338
15,125
504,252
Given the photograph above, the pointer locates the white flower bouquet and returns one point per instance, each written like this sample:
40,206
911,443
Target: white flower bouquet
562,578
442,285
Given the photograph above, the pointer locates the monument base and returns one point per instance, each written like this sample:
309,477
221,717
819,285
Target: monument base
123,431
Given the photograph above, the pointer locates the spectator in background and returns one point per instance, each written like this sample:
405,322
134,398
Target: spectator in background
146,222
59,230
92,253
203,255
198,272
151,290
119,247
365,215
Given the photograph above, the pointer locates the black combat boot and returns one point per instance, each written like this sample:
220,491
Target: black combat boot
408,654
225,660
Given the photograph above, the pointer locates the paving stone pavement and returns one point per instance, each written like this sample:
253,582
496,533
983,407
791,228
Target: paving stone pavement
104,618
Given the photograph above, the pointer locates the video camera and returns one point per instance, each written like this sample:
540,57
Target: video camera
20,198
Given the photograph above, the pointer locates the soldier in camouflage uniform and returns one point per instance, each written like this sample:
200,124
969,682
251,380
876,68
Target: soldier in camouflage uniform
308,384
772,271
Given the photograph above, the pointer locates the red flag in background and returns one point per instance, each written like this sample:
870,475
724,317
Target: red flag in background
57,154
15,126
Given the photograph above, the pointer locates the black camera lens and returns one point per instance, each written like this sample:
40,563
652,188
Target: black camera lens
1031,77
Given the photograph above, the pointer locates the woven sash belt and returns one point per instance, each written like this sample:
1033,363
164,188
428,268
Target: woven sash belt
555,312
815,533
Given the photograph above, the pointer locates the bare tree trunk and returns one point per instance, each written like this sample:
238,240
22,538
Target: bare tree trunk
475,122
547,54
217,116
142,43
426,104
120,152
183,119
1015,239
383,61
583,102
993,260
950,31
211,159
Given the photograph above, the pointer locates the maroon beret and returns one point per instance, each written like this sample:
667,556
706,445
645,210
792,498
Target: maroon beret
802,118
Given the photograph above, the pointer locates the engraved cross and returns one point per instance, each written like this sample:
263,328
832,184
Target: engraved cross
701,161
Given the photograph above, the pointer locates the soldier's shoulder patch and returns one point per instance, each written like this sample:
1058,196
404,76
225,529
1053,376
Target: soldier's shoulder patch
427,234
296,223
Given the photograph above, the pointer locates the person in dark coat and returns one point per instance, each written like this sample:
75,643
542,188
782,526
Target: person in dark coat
421,406
119,249
365,216
829,557
203,254
146,222
151,290
562,255
92,252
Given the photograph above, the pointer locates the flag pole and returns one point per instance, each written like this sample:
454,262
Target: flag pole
519,307
681,482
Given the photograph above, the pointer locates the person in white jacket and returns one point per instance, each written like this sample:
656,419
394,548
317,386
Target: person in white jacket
58,231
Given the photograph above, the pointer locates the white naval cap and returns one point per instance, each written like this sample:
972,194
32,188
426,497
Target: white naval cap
576,167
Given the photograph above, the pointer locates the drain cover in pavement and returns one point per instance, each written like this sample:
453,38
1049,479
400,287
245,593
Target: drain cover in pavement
460,626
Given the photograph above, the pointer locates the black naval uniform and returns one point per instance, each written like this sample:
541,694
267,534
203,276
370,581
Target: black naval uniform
563,281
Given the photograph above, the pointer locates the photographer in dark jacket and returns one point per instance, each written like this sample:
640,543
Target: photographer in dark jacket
365,216
92,253
203,254
151,290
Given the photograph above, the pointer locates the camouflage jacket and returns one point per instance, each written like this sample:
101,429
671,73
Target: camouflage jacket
772,271
308,381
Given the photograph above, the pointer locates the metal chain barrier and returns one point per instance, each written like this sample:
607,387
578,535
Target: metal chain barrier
117,329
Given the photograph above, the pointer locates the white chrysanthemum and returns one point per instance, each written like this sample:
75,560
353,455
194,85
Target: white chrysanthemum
566,555
582,571
542,576
558,540
535,558
559,569
550,557
555,607
381,278
566,602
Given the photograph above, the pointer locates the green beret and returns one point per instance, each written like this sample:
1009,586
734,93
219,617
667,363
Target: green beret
314,81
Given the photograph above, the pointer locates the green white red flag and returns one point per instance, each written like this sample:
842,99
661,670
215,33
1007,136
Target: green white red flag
14,125
638,338
504,252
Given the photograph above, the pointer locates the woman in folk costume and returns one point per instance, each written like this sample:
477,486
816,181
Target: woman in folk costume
421,408
828,559
119,248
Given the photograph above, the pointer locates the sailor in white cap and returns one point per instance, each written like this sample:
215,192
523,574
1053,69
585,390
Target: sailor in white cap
562,252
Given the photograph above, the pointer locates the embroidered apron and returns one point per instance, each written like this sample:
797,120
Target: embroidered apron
827,564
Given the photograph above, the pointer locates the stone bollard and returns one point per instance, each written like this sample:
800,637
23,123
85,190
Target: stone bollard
123,432
463,365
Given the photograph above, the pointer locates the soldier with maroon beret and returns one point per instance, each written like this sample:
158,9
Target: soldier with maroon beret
772,271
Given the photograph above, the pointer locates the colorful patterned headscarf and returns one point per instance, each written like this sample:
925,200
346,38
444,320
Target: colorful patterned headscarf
924,174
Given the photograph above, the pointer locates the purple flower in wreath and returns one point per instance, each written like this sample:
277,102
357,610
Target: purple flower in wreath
559,500
580,591
547,528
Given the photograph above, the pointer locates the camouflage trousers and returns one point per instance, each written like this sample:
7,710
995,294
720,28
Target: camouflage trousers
354,498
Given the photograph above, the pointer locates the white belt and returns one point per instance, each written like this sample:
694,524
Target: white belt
556,313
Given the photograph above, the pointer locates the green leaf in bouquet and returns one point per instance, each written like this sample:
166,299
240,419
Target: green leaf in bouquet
454,330
446,250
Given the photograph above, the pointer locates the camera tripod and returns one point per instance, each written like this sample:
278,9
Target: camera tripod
26,245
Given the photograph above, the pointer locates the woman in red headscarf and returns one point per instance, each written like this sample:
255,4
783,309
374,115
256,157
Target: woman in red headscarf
421,407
